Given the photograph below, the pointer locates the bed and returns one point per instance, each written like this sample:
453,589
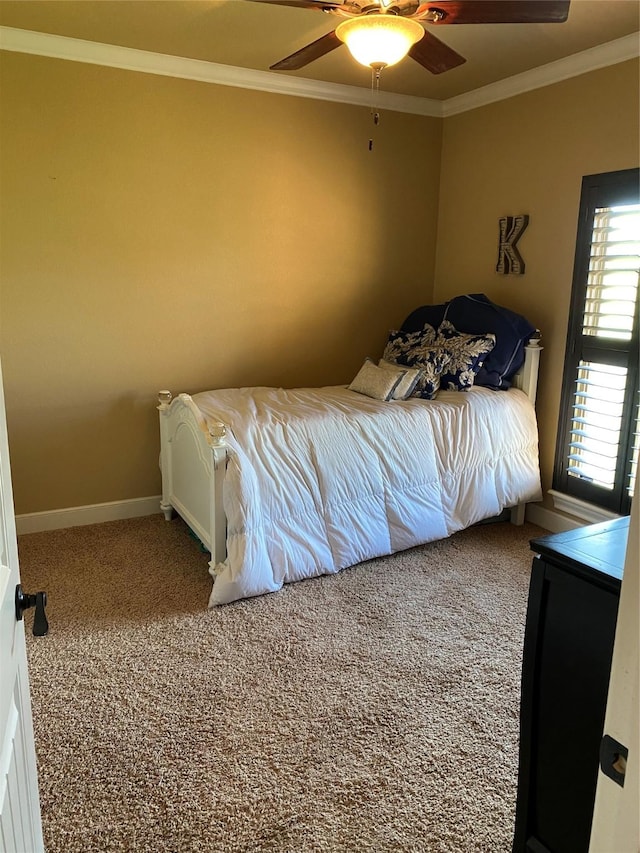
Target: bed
281,484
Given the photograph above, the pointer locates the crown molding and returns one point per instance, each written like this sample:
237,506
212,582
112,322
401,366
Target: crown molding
610,53
130,59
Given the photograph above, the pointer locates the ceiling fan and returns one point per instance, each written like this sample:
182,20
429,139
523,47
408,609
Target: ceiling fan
422,46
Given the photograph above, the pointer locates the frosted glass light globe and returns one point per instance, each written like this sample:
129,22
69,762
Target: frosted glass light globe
379,40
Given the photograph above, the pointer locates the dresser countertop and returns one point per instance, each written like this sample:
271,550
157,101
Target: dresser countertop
597,546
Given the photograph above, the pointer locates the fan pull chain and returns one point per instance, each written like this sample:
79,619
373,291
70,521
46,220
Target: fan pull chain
375,91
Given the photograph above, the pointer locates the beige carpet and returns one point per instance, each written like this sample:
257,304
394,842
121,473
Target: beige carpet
376,710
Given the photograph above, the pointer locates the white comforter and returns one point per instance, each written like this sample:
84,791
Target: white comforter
324,478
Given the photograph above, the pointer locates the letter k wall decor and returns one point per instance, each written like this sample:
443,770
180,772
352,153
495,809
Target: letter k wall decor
509,259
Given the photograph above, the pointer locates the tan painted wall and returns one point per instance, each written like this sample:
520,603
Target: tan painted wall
159,233
528,154
166,233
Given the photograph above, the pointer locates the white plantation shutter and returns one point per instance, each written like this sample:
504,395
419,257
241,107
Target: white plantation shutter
596,424
598,443
635,454
614,267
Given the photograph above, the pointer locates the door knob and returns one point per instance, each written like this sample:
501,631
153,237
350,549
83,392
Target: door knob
24,601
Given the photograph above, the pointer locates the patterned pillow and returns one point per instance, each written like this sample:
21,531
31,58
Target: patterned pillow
375,382
401,345
407,385
418,349
432,362
467,354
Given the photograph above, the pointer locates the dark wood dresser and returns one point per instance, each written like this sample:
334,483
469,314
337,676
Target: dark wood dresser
571,619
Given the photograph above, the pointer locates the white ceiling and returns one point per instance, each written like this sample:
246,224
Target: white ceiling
255,35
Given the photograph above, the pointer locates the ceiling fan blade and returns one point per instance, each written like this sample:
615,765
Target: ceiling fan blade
435,55
302,57
499,11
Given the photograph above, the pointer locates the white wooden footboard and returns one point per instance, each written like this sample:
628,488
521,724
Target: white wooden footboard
193,459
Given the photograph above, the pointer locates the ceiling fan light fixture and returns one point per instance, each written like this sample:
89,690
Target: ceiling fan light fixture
379,40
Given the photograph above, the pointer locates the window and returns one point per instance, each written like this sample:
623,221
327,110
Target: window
598,437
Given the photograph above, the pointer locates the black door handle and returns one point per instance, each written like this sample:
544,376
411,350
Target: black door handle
24,601
613,759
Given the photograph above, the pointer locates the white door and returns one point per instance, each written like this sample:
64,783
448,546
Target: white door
616,827
20,824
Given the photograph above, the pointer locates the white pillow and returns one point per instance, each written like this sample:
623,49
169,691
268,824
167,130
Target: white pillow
377,382
405,388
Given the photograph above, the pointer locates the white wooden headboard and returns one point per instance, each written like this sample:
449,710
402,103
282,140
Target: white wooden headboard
526,379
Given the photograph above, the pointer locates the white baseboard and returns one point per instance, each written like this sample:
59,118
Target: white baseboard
552,521
76,516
